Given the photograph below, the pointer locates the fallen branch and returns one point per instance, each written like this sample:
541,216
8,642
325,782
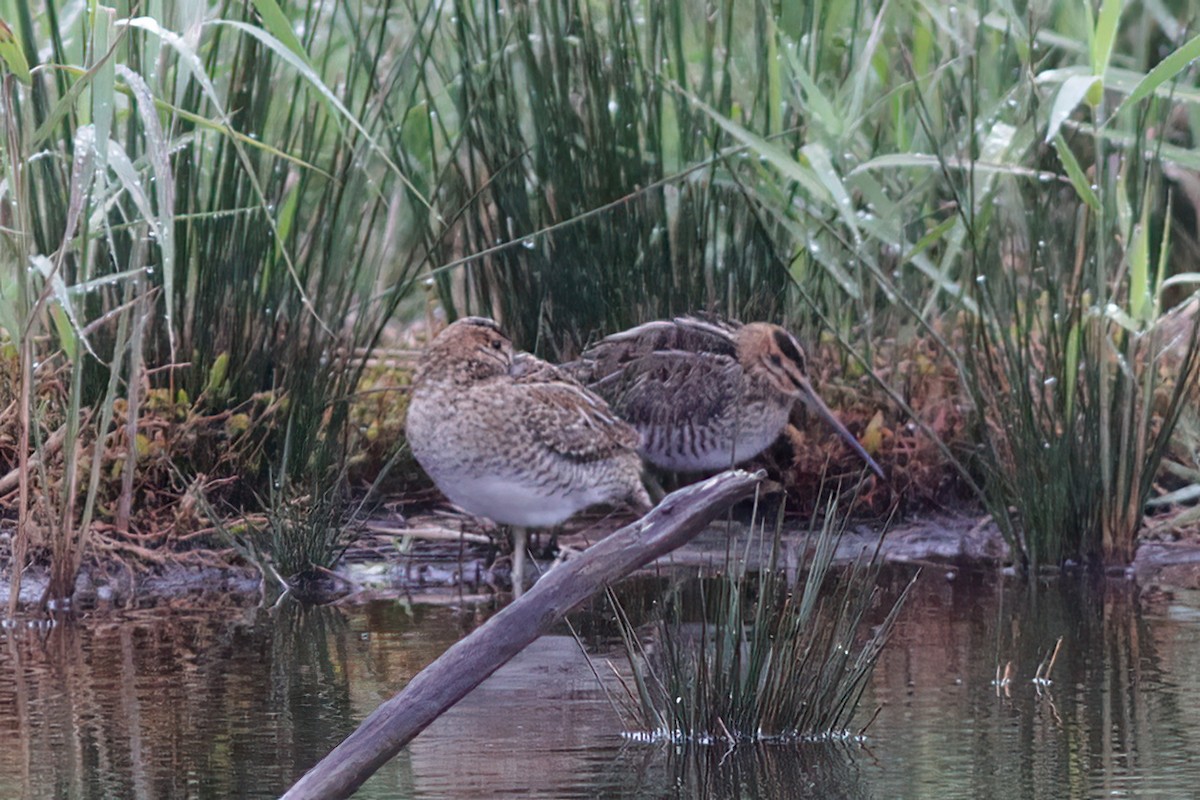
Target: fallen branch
678,518
52,445
428,534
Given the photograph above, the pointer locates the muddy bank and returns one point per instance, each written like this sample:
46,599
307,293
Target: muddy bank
443,570
101,587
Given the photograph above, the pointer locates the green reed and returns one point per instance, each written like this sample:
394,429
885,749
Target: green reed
1079,366
203,205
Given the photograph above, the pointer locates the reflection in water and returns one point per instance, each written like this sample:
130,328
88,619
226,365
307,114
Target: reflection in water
169,704
1120,714
792,771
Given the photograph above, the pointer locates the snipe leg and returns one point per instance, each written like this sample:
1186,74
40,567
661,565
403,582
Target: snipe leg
654,487
520,544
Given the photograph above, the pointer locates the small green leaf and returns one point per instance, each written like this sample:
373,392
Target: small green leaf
13,54
822,165
216,374
1106,35
1164,257
287,215
1073,90
1078,179
815,102
277,23
1071,369
1124,207
1138,256
926,241
1116,314
774,82
66,333
61,296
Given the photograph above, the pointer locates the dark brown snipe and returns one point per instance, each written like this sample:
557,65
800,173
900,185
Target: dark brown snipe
519,442
705,394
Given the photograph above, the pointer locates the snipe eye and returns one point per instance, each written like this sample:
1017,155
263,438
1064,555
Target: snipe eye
497,344
776,360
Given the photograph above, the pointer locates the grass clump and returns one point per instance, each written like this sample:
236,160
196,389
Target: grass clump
592,194
782,657
200,205
1079,367
303,538
1082,396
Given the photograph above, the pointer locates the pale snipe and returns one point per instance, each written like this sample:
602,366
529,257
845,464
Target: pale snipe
524,444
704,393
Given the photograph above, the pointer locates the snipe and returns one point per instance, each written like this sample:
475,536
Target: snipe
705,394
519,442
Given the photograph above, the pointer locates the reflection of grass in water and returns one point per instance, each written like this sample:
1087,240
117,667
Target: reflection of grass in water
764,770
776,660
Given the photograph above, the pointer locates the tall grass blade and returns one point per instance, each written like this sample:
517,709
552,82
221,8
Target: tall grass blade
280,27
1075,174
1105,37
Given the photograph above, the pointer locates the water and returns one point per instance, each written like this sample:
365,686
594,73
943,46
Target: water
239,703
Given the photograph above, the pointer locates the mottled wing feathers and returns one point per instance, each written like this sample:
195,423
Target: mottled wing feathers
710,334
565,416
527,368
573,422
661,388
662,372
683,334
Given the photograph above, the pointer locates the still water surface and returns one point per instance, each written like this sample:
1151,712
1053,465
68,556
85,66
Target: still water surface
169,704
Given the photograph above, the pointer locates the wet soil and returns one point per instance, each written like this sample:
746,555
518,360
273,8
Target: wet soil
424,556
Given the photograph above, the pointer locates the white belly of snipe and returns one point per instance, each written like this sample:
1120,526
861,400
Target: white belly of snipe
516,502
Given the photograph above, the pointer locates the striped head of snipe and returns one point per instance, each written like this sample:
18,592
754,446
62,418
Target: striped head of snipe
467,351
773,356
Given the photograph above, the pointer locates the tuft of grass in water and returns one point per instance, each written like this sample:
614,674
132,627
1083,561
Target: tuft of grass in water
304,537
296,540
777,658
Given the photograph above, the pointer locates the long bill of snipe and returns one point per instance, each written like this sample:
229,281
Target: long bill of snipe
815,402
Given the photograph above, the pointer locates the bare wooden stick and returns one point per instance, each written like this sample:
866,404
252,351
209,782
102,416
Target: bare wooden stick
51,446
429,534
678,518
